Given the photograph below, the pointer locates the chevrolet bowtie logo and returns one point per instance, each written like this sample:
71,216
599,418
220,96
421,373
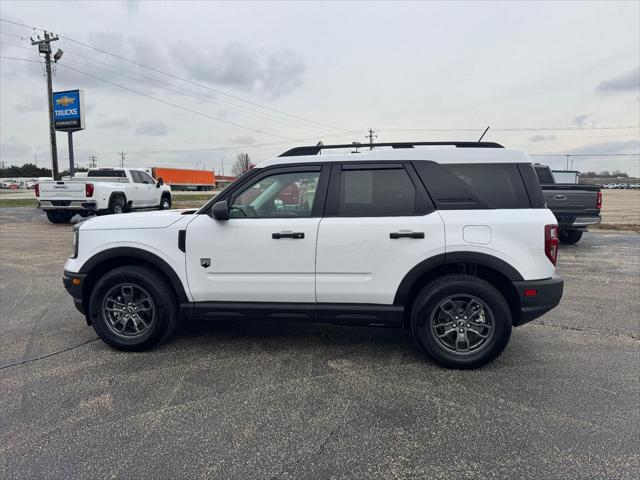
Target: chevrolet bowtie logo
65,101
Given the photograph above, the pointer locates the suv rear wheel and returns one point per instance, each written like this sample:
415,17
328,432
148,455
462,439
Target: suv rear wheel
133,308
461,321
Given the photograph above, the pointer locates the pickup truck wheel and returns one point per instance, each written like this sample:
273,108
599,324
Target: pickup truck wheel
165,203
116,205
59,216
461,321
569,237
133,308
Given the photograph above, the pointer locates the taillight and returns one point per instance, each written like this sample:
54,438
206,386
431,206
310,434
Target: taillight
599,201
551,242
88,189
37,189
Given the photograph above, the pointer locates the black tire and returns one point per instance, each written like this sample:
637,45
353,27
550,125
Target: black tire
494,313
59,216
116,205
161,321
165,202
569,237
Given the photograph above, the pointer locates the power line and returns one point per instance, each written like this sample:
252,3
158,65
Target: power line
16,46
187,93
584,154
220,92
9,34
196,112
514,129
21,59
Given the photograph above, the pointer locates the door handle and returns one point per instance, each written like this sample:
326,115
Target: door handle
396,235
294,235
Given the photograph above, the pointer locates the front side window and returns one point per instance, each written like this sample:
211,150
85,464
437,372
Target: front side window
146,178
376,192
279,195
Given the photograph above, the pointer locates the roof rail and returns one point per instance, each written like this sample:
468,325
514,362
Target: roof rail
316,149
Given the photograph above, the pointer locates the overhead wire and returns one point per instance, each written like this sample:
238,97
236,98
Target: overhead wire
220,92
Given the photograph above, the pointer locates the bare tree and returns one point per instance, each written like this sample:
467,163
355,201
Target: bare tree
241,165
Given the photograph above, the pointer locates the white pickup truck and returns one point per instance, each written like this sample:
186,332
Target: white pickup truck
103,190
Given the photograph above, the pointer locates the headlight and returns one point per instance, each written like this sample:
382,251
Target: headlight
76,241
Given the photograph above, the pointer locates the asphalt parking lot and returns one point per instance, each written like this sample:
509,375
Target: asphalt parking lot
276,400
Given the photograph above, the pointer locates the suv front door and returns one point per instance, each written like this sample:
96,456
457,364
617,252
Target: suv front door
266,251
379,223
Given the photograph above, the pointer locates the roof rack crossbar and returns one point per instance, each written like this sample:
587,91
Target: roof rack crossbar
315,149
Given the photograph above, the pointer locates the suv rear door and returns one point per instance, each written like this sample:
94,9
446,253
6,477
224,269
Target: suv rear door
266,251
379,223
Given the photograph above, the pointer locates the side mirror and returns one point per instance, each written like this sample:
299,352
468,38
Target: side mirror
160,182
220,210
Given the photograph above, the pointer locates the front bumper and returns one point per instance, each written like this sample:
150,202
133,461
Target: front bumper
90,206
74,283
537,297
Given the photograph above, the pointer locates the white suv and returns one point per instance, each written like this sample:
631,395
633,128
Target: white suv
451,240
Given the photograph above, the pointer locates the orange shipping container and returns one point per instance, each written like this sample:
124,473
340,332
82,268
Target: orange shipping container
186,178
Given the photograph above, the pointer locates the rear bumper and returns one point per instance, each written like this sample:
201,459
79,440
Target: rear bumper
74,283
89,206
577,221
537,297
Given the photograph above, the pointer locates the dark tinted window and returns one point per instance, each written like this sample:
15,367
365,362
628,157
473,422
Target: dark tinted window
146,178
544,174
474,185
137,178
107,173
376,192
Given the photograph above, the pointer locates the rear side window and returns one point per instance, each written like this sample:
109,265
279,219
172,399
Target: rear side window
376,192
107,173
463,186
544,174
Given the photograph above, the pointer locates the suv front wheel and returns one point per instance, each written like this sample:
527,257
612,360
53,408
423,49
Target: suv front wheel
461,321
133,308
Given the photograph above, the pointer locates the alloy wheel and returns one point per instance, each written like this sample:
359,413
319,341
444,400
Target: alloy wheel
128,310
462,324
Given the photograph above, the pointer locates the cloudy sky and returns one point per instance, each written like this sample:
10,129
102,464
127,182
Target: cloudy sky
194,83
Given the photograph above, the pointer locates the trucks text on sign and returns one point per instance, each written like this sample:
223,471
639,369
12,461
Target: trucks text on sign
68,110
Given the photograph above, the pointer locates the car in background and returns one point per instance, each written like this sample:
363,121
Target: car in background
103,190
576,206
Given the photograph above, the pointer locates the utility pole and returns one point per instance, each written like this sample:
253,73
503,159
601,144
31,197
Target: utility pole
44,46
93,159
371,136
122,154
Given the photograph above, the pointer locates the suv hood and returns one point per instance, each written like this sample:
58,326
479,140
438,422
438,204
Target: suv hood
137,220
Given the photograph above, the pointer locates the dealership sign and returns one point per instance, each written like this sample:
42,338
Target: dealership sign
68,110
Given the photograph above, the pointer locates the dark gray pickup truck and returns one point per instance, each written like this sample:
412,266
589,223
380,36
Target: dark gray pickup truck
575,206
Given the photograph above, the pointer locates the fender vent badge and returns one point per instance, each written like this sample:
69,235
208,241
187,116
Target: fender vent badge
205,262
